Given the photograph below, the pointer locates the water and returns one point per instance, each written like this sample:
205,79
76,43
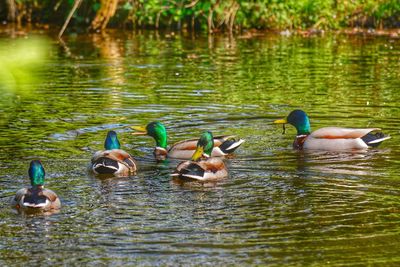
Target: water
278,206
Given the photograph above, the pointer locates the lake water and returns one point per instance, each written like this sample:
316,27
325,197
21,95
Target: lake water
278,206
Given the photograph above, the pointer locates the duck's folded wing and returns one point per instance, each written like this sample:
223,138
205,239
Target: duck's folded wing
181,166
219,140
227,143
123,157
341,133
98,155
185,145
18,196
55,200
118,155
190,144
50,194
183,149
212,164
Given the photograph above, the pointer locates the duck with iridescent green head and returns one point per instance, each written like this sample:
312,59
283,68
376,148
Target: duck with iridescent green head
113,160
37,197
330,138
202,167
223,145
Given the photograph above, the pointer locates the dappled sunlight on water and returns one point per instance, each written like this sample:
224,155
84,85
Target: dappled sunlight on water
277,206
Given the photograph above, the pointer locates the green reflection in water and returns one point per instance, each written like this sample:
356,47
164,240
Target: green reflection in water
19,60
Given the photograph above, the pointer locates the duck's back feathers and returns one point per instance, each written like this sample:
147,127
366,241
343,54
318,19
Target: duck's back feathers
44,199
223,145
50,195
341,133
35,201
183,149
114,161
336,138
104,165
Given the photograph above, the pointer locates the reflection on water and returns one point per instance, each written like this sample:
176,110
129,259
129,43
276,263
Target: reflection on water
277,206
18,61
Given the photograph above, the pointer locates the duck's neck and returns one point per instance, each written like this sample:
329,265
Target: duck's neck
36,175
160,153
161,140
112,142
303,132
304,128
36,188
299,142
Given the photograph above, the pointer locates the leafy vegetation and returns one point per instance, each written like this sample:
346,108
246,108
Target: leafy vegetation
211,15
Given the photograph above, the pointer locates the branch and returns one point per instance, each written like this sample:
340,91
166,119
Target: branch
192,4
76,5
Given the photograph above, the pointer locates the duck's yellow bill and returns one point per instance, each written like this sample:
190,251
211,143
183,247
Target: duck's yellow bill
140,130
281,121
198,153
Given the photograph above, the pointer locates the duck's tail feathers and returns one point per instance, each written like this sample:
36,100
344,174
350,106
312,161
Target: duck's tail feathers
373,140
35,201
230,145
105,165
192,176
192,171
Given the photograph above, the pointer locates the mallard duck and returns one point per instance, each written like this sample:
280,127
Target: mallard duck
330,138
223,145
113,160
36,197
202,167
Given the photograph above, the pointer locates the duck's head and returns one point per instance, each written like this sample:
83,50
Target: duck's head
204,147
298,119
36,173
154,129
112,141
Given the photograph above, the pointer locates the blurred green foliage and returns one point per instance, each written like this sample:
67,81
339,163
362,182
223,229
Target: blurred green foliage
219,14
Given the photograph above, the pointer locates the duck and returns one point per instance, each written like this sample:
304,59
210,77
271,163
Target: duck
202,167
113,160
36,197
223,145
330,138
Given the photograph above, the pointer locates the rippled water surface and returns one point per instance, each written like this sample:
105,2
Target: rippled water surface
278,206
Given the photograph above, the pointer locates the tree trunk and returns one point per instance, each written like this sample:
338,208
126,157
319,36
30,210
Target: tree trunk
106,11
12,10
210,24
